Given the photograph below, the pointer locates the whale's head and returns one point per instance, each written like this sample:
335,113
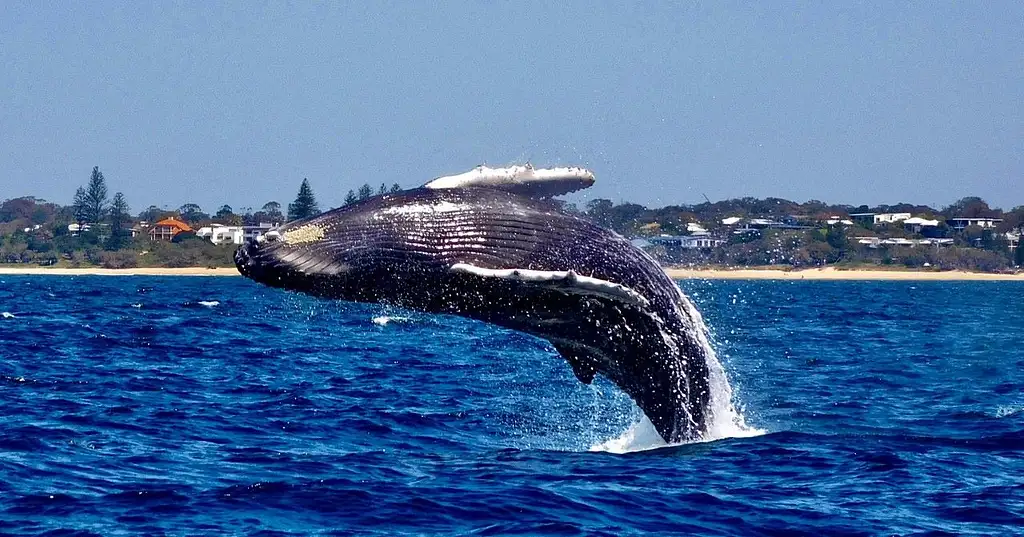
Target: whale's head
286,257
354,252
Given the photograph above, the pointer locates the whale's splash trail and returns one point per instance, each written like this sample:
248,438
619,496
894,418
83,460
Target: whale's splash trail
726,420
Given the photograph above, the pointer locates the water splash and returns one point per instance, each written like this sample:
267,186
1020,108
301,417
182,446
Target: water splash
1007,411
7,315
209,303
726,419
383,320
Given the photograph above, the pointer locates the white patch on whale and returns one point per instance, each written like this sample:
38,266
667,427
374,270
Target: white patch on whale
521,179
585,284
422,208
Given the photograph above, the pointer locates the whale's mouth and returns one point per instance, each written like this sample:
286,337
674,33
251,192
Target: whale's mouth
256,263
287,260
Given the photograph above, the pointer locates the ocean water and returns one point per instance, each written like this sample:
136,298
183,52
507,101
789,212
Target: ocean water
214,406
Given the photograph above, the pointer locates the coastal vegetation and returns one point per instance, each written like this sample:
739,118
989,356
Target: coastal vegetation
98,230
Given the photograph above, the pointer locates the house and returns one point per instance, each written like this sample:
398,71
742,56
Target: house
686,242
252,232
986,223
75,229
918,224
221,234
838,220
876,242
867,219
167,228
891,218
875,219
1013,240
693,228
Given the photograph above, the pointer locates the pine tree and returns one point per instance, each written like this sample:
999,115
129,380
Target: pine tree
350,198
79,206
96,197
119,216
395,188
382,190
365,191
305,203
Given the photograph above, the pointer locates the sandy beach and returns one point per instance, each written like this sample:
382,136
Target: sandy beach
676,273
836,274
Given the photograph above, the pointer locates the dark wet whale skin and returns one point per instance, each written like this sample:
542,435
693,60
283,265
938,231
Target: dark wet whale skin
399,249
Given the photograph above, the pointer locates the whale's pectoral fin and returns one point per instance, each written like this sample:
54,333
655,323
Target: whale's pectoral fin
564,281
584,366
524,180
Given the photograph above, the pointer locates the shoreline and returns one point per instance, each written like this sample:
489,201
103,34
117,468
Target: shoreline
834,274
828,273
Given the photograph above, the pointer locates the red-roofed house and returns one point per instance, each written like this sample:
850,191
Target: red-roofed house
167,228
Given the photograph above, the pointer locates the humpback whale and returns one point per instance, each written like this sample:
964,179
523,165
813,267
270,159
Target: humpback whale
491,244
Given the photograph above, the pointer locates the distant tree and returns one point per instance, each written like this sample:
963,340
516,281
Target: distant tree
79,207
350,198
272,211
600,211
226,215
382,190
154,214
1012,220
836,238
35,210
95,199
969,207
192,213
395,188
305,204
1019,257
119,218
365,192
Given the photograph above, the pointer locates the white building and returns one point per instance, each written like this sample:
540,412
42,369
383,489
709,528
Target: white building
880,218
875,242
891,218
252,232
694,228
686,242
986,223
917,224
219,234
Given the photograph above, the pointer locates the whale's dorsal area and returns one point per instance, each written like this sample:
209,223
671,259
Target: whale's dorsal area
523,180
566,281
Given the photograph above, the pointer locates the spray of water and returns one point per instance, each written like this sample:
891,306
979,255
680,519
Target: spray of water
726,420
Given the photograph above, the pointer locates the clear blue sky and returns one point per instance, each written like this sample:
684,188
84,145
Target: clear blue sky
213,103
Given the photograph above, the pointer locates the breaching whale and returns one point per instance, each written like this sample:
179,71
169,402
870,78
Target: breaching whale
491,245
